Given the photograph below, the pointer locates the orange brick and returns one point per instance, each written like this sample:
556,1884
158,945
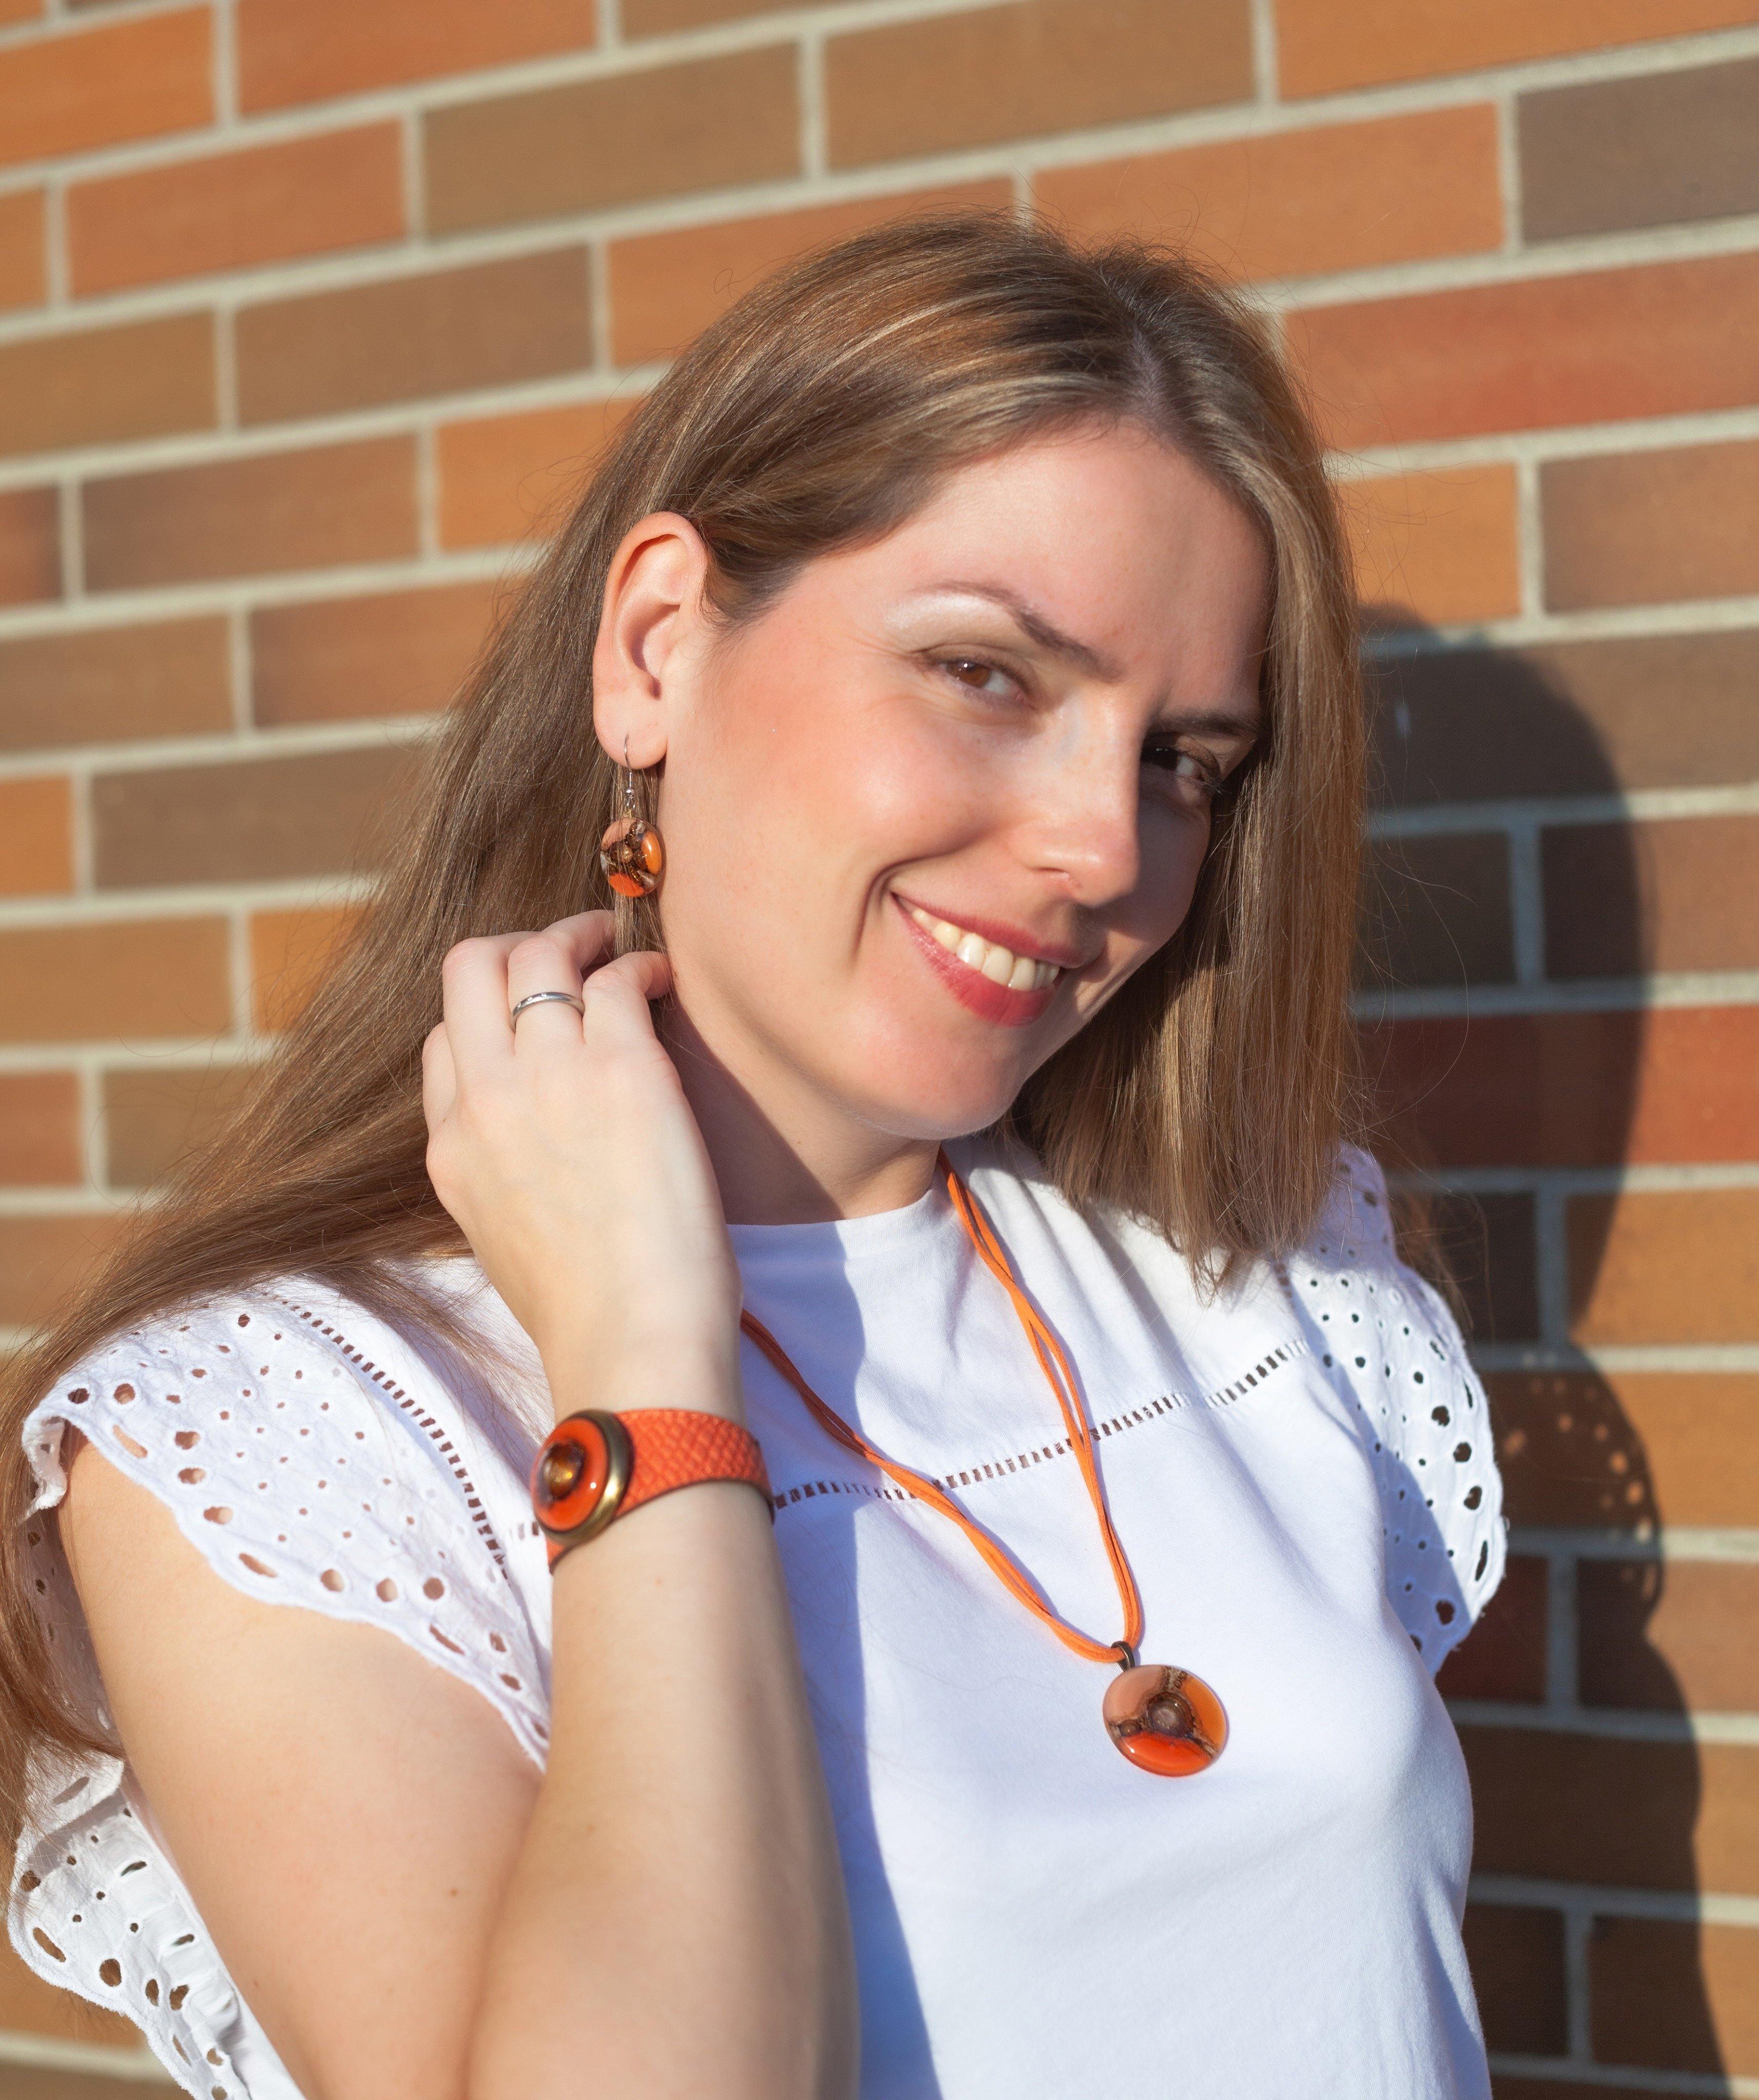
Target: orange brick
499,476
1601,345
1642,528
39,1137
36,836
1627,1450
665,287
1326,45
289,951
982,75
145,379
23,279
404,338
654,18
101,684
20,10
326,47
1675,1085
224,211
1438,547
326,506
30,545
392,653
131,79
44,1258
151,977
1294,203
662,130
1664,1266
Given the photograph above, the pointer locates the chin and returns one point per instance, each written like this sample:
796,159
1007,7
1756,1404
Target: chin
909,1093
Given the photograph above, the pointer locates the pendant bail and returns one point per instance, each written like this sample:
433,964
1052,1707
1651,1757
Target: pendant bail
1130,1659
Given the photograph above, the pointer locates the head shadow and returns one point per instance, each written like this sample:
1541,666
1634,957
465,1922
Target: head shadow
1507,945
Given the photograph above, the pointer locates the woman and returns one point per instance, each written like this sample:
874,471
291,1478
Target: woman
969,613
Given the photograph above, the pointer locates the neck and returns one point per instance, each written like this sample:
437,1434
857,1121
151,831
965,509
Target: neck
782,1154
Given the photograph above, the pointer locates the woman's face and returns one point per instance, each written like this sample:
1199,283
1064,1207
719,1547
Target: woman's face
926,815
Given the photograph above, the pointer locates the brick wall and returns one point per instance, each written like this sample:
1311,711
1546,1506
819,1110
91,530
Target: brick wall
309,313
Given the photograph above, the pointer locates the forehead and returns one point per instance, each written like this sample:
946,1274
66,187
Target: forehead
1114,535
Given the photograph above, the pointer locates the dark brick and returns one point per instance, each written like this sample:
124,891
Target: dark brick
1646,1997
1436,911
1614,1813
154,1114
1651,151
1577,718
257,820
1667,1641
408,338
1487,1244
1570,1453
101,684
1516,1958
659,131
1504,1655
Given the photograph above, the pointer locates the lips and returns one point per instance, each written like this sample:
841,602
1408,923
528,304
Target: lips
989,979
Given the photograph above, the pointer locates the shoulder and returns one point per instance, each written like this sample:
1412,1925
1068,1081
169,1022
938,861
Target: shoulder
1390,1346
313,1456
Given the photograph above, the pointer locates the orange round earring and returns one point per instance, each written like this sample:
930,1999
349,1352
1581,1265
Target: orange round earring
632,852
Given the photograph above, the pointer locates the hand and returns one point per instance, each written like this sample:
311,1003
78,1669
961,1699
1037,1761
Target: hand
568,1155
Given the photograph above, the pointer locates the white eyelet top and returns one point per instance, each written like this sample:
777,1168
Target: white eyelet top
1300,1469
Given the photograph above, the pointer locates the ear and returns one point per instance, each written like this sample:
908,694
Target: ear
652,611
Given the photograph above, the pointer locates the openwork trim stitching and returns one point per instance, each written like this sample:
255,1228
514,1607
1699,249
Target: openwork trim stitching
436,1429
1131,1417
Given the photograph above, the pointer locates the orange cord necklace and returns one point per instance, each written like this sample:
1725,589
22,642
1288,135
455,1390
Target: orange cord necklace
1164,1720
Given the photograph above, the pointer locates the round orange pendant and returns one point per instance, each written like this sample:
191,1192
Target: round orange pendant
631,857
1165,1720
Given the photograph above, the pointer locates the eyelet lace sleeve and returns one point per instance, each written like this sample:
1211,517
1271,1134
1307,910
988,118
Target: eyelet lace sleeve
1394,1351
304,1475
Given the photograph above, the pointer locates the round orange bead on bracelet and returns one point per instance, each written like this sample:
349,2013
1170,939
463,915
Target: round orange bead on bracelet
595,1465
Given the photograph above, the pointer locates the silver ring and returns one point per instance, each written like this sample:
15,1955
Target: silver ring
537,999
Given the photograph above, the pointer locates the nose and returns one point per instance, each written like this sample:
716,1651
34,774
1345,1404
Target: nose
1084,822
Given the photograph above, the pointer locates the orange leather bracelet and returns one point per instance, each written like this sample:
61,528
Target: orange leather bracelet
594,1467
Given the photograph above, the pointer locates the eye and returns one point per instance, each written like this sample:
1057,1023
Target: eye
975,673
1194,769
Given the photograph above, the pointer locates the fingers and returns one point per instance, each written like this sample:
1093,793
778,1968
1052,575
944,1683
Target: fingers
555,960
485,978
617,997
439,1078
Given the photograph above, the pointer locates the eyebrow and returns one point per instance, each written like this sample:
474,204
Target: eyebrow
1045,632
1215,722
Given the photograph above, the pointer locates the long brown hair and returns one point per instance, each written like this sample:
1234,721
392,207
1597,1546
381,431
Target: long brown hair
1208,1098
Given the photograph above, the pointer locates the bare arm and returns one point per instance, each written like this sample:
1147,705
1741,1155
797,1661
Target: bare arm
406,1905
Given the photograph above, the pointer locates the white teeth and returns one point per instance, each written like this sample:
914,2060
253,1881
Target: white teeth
1001,965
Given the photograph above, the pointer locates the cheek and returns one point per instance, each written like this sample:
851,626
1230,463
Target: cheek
1174,844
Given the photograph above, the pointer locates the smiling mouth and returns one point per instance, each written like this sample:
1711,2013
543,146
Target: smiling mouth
986,959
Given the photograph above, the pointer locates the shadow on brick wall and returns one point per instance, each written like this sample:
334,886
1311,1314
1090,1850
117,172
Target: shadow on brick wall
1504,1068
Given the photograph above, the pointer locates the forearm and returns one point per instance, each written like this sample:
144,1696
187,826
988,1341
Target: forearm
676,1921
